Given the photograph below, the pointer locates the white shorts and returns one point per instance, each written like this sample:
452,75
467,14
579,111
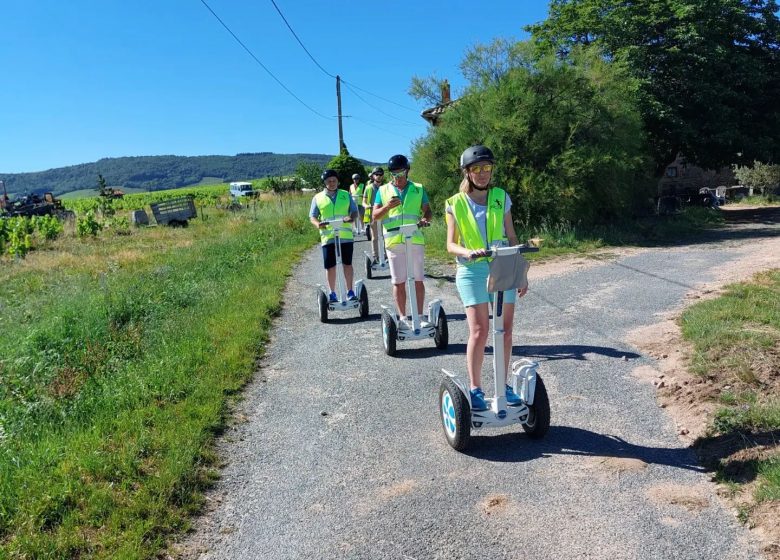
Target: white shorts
396,256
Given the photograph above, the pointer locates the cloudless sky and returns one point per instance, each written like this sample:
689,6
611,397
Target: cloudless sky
85,79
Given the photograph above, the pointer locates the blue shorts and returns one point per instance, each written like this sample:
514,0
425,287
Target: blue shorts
471,281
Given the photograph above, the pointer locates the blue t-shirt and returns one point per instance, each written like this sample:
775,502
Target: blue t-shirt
314,210
401,194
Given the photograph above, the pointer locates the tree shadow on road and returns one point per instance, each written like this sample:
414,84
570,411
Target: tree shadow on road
567,440
428,351
551,352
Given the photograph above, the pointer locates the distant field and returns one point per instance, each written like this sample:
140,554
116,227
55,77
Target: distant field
207,181
89,193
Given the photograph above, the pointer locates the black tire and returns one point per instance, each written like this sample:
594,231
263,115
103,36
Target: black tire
368,267
363,297
441,336
389,334
322,303
539,413
455,415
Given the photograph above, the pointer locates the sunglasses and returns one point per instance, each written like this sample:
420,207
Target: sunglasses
401,173
484,167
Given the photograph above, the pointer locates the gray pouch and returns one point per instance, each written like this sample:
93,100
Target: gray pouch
508,272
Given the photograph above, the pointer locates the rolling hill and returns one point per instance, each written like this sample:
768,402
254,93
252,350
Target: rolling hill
158,172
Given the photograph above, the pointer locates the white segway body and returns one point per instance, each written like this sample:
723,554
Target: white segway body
533,412
381,265
324,305
395,328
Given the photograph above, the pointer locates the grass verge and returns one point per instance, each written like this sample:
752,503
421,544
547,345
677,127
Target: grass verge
736,347
117,361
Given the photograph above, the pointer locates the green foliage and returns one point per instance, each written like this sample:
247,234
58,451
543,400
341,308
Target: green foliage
118,225
88,224
345,166
48,226
309,173
708,70
280,184
567,138
19,237
761,176
17,234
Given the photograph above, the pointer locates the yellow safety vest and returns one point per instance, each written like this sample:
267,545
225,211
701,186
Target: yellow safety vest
358,196
468,230
338,210
408,212
369,194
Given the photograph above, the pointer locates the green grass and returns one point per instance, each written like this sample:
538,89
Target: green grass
119,358
758,200
736,343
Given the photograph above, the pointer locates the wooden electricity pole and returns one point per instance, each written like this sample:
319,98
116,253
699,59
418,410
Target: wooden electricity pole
338,97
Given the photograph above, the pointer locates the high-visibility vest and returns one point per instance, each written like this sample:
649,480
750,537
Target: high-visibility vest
468,230
369,195
408,212
338,210
357,196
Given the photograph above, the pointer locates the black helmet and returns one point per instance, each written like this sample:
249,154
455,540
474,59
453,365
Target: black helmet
329,173
397,162
475,154
376,170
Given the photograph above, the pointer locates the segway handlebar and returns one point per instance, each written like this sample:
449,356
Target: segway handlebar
502,251
409,228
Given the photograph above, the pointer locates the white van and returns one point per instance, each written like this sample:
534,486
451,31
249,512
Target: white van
241,188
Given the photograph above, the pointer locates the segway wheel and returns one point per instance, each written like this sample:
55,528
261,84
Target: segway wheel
368,267
389,333
539,413
441,335
455,415
363,298
322,303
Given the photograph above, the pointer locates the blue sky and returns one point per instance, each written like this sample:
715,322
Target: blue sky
87,79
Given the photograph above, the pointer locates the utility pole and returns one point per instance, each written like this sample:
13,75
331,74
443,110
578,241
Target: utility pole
338,97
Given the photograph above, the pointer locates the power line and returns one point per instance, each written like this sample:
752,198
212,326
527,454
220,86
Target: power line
379,96
299,41
380,128
261,64
328,73
374,106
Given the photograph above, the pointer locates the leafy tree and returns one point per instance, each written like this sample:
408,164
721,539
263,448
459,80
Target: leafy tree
761,176
309,173
345,166
566,134
708,70
106,197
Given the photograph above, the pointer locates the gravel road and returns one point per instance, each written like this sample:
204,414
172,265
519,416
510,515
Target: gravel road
340,453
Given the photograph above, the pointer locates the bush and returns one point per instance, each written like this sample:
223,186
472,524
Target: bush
345,166
48,226
567,137
88,225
